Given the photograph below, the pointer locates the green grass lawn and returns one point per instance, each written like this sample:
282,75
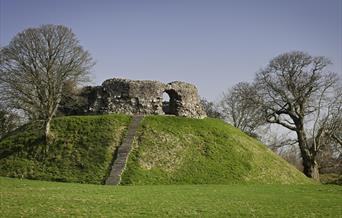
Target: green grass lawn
28,198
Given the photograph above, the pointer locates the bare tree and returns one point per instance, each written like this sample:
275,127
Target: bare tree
330,159
34,68
297,92
240,107
211,109
330,155
9,121
292,155
72,102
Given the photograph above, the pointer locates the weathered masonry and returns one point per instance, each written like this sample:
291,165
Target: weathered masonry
143,97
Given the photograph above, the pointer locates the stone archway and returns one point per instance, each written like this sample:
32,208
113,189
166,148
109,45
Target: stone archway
171,102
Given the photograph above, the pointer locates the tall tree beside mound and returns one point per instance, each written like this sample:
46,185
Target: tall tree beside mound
239,106
297,92
35,66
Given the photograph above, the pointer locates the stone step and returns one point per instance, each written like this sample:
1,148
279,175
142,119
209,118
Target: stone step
124,150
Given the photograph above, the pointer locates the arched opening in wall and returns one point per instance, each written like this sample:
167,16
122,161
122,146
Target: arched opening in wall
170,104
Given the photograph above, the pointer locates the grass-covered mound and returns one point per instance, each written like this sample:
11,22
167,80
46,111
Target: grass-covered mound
24,198
175,150
167,150
81,151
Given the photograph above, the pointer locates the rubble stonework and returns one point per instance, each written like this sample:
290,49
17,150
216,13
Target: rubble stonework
144,97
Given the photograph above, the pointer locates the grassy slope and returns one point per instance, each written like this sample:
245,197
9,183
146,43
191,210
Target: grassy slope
25,198
81,152
174,150
171,150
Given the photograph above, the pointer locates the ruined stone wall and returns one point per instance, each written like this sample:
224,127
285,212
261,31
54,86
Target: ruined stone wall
144,97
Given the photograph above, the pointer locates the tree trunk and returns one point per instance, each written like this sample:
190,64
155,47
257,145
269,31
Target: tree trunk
309,158
48,131
47,128
51,113
310,168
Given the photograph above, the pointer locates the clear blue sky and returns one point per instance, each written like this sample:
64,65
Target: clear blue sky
213,44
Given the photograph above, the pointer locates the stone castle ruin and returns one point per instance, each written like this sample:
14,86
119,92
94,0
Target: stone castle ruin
143,97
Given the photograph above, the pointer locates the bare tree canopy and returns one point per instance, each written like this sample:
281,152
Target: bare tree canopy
9,121
240,107
34,68
211,109
297,92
